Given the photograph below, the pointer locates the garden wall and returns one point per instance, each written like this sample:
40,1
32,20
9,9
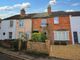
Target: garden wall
67,52
42,47
6,43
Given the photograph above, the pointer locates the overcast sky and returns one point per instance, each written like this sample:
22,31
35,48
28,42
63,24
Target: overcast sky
12,7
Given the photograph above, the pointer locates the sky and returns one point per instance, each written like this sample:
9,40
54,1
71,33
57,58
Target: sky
13,7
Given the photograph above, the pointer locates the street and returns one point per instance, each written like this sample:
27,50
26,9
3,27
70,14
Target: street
6,57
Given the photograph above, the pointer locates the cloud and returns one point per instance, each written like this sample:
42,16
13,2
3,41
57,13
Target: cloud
8,14
69,10
23,5
45,10
52,2
75,4
6,8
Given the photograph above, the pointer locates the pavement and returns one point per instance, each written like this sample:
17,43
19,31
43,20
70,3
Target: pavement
23,56
15,54
7,57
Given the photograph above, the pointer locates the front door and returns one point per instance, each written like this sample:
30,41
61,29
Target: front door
75,37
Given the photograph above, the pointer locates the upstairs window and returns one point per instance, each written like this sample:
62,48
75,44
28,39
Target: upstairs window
11,23
56,20
43,21
21,23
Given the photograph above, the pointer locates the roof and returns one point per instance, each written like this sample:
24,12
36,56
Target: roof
44,15
27,16
76,13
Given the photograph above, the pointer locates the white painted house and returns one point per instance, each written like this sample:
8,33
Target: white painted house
75,28
8,30
13,27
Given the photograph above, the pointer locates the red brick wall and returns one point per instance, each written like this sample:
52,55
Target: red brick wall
36,24
64,23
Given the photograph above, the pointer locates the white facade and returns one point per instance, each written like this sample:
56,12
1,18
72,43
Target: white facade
5,29
75,27
15,29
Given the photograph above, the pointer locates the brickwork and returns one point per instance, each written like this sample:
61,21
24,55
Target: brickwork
64,23
71,52
38,46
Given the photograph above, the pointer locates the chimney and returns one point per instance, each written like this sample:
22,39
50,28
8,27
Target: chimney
22,12
49,9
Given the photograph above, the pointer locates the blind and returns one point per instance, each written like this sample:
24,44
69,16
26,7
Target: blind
61,35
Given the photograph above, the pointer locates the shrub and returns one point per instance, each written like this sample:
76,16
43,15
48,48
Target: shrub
19,45
38,37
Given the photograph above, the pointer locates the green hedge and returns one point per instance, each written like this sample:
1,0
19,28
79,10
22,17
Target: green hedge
39,37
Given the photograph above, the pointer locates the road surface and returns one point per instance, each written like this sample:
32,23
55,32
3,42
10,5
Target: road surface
6,57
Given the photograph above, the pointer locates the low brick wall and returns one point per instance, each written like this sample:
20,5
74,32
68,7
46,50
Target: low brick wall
38,46
6,43
66,52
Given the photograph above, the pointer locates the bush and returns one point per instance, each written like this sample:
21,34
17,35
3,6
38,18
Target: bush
16,44
38,37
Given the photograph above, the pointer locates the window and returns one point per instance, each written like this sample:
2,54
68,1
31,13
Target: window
43,22
56,20
10,35
3,33
21,23
11,23
20,34
27,35
61,35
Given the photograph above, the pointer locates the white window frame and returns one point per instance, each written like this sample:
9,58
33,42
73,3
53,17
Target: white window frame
10,35
28,35
56,20
61,35
21,23
11,23
20,34
43,21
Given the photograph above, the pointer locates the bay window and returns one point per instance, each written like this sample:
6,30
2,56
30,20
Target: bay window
61,35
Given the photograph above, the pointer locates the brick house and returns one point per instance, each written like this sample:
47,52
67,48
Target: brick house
54,24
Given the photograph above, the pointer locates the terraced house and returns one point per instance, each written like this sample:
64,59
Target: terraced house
14,26
58,26
54,24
